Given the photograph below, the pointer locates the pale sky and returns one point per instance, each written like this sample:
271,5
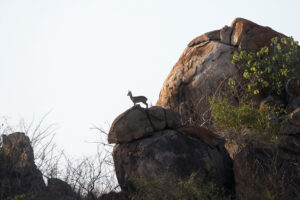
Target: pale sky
78,59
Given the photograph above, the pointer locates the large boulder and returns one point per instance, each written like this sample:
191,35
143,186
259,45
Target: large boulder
152,144
205,66
170,153
198,74
138,122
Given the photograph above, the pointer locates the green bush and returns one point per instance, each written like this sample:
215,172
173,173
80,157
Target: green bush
271,67
244,116
264,73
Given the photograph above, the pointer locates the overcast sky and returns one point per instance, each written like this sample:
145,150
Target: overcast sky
78,59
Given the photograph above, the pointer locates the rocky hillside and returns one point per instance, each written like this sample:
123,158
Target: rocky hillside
157,154
226,126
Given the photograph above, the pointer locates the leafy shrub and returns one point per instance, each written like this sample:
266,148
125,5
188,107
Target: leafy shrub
265,72
244,116
271,67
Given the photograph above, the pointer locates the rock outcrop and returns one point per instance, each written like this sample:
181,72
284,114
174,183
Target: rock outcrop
198,74
19,175
152,144
205,66
202,71
158,145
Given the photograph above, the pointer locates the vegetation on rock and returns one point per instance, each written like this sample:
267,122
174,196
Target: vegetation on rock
244,117
269,69
264,73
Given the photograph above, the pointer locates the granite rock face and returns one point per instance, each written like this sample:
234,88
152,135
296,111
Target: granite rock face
205,66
